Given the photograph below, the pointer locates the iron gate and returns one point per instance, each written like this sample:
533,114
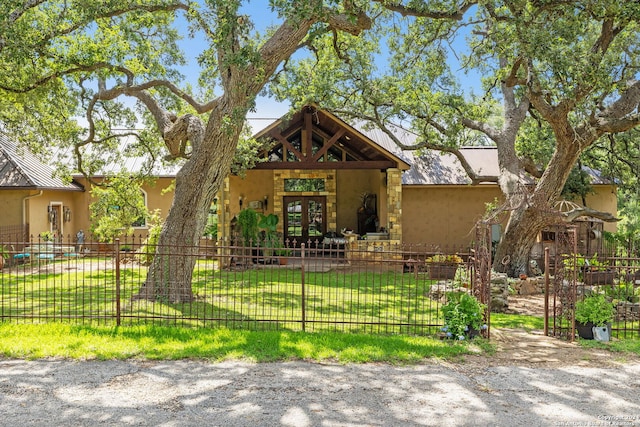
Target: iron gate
481,270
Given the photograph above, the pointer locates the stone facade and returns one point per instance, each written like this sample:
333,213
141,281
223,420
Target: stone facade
384,252
329,177
394,204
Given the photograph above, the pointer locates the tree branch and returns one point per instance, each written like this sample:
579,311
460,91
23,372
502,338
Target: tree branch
577,212
89,17
423,13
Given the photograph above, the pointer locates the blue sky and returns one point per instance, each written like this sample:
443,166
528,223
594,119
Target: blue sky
267,109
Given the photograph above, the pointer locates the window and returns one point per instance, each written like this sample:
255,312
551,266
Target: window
301,184
548,236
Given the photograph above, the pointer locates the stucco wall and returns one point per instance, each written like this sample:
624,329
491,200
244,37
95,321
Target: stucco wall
254,187
11,206
446,215
604,199
443,215
350,186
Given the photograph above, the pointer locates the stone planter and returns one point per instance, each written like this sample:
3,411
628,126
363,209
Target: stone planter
442,270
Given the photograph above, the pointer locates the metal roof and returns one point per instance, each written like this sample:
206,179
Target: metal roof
20,169
432,167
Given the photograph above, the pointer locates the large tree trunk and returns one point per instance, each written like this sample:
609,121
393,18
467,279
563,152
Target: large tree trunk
512,254
241,78
170,274
531,213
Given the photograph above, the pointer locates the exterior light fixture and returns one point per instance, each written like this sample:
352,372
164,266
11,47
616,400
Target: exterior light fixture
51,214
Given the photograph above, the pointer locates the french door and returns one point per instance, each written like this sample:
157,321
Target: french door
304,218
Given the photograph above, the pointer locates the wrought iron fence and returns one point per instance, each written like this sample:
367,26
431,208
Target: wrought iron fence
370,287
576,277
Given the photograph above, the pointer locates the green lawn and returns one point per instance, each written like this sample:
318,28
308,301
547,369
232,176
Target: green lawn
253,314
258,299
156,342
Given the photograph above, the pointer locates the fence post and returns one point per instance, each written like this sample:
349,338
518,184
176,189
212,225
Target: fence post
304,316
117,249
546,292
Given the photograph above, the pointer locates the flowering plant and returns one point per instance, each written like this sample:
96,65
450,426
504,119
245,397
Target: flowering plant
462,314
47,236
449,259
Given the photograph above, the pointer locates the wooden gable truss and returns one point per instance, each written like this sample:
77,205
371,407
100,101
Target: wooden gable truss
315,139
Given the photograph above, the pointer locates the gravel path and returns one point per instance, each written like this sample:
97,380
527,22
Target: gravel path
196,393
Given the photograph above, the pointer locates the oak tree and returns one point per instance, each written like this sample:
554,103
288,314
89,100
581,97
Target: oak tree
91,56
570,66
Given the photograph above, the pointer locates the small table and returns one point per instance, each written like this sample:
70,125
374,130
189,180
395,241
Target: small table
48,252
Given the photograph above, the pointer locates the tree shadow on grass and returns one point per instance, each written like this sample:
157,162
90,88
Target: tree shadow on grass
163,342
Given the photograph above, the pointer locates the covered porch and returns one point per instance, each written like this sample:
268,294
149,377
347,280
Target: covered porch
323,179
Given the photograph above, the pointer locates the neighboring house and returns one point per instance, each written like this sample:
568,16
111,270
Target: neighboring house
32,198
321,175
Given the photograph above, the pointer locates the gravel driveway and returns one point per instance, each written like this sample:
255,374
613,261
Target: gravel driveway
196,393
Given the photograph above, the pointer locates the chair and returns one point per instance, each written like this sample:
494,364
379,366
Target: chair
46,257
20,257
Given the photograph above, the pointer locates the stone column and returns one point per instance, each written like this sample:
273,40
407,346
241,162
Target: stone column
394,203
224,223
224,217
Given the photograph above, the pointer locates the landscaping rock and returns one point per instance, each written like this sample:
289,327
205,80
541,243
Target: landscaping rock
529,286
627,311
499,292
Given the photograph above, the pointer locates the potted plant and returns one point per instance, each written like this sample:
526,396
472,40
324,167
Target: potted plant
594,315
268,224
463,316
248,223
443,266
46,236
597,272
283,255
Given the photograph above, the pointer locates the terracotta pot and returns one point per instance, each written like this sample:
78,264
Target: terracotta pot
438,270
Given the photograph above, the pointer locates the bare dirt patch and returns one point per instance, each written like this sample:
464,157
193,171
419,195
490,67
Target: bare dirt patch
533,348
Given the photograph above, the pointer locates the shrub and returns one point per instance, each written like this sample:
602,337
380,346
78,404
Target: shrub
463,313
594,309
448,259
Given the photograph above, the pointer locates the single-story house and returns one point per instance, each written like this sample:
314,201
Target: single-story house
34,200
320,175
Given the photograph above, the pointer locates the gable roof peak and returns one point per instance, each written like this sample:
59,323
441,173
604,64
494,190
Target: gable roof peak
21,169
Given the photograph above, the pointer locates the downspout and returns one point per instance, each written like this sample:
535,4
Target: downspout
24,206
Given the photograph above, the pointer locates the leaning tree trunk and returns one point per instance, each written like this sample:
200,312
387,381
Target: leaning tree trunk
202,176
170,273
533,212
512,254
